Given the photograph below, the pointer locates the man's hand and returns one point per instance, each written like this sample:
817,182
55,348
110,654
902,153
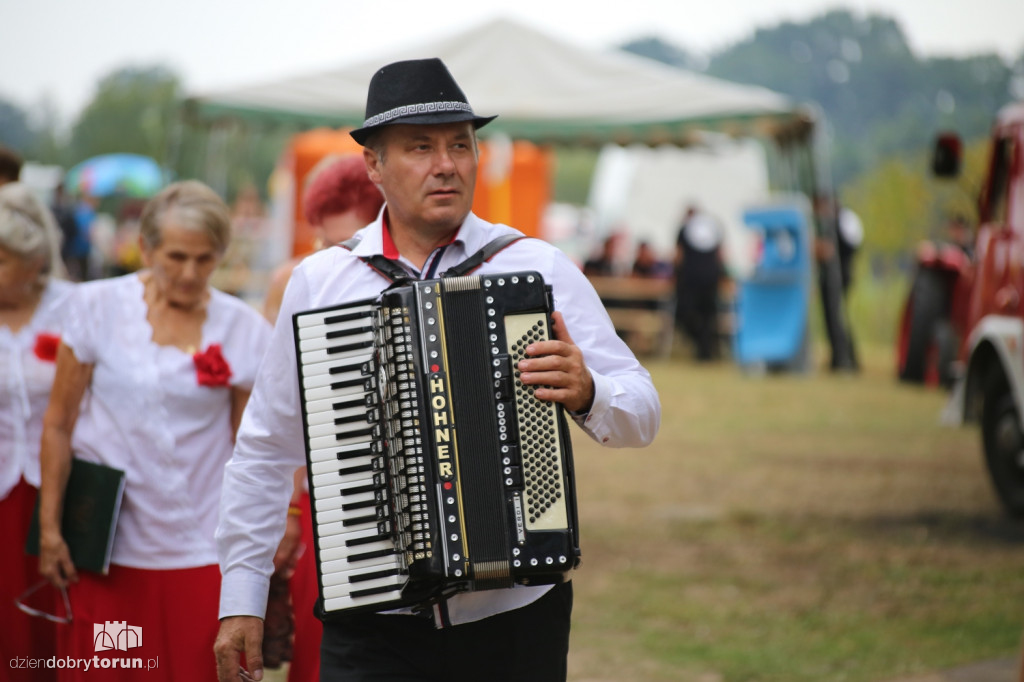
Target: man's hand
239,634
558,365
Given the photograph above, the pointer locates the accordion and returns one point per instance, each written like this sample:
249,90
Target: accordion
432,468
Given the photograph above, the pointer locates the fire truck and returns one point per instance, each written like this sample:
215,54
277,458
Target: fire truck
990,388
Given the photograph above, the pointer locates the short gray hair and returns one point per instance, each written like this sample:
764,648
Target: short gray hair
193,206
28,229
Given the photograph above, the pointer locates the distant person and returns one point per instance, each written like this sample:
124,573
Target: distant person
647,264
836,244
604,263
958,231
339,200
64,213
699,270
78,249
10,165
166,363
32,304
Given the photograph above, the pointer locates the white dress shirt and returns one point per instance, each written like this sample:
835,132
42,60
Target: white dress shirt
25,381
146,414
625,412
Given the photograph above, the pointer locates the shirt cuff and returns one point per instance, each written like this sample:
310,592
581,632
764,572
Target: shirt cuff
591,421
243,594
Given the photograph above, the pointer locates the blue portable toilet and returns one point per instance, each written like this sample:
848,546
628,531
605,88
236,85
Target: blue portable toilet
772,304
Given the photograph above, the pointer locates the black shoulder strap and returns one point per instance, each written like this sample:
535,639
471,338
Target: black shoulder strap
385,267
489,251
393,272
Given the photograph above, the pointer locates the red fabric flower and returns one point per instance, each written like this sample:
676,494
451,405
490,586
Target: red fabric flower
46,346
211,367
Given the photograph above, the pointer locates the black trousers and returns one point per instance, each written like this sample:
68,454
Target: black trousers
530,644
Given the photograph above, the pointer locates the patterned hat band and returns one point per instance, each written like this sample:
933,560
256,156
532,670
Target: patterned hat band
416,110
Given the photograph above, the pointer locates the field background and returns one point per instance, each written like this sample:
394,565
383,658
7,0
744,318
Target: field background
792,528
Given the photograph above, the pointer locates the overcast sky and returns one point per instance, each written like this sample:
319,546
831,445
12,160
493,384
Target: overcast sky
60,48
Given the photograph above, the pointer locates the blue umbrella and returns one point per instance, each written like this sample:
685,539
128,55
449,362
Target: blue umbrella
130,175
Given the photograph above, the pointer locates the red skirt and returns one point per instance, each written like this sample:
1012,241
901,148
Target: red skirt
23,638
139,624
305,665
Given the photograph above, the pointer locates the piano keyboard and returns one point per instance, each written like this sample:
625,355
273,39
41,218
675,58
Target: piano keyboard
358,561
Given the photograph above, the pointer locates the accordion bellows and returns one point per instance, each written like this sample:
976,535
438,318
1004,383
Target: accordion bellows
432,468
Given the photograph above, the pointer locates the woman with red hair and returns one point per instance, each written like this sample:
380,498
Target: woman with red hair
339,200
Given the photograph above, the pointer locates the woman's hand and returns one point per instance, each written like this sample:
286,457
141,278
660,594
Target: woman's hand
55,561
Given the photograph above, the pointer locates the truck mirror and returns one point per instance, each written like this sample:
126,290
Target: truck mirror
946,155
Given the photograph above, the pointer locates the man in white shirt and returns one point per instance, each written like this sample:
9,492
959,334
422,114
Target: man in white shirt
420,148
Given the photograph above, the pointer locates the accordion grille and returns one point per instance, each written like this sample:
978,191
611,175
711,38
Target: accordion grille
539,442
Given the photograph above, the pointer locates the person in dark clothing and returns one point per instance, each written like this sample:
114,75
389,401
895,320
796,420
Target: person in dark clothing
698,271
64,214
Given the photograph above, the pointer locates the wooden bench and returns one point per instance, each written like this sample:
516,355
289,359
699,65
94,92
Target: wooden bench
642,310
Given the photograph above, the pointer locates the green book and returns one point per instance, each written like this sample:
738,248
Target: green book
91,505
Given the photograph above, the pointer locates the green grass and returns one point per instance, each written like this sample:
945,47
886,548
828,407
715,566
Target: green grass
791,528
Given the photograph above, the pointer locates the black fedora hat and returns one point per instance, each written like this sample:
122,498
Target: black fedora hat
418,91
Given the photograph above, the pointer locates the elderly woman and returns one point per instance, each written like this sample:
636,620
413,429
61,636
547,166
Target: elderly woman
31,302
165,364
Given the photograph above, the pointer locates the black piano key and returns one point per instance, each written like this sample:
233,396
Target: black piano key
376,554
375,590
368,540
367,417
362,469
353,506
338,334
352,454
365,577
359,520
350,346
346,317
355,434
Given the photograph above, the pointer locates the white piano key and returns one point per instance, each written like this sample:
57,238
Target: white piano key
330,441
336,478
355,532
344,369
321,355
344,603
326,393
327,466
329,454
332,515
341,566
321,343
328,416
345,564
319,430
324,379
319,330
351,401
345,589
336,502
311,319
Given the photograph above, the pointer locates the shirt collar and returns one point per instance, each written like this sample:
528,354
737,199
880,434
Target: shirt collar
390,251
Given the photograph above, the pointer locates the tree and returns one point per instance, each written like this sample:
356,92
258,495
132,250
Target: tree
132,111
15,130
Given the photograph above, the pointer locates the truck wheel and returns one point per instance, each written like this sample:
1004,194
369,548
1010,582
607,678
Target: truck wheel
1003,443
927,306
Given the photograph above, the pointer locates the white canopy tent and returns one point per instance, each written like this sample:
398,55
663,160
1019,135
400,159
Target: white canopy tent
543,90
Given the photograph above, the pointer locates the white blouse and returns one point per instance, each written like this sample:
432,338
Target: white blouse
26,375
146,413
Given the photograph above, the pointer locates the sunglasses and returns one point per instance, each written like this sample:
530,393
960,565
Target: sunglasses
21,600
